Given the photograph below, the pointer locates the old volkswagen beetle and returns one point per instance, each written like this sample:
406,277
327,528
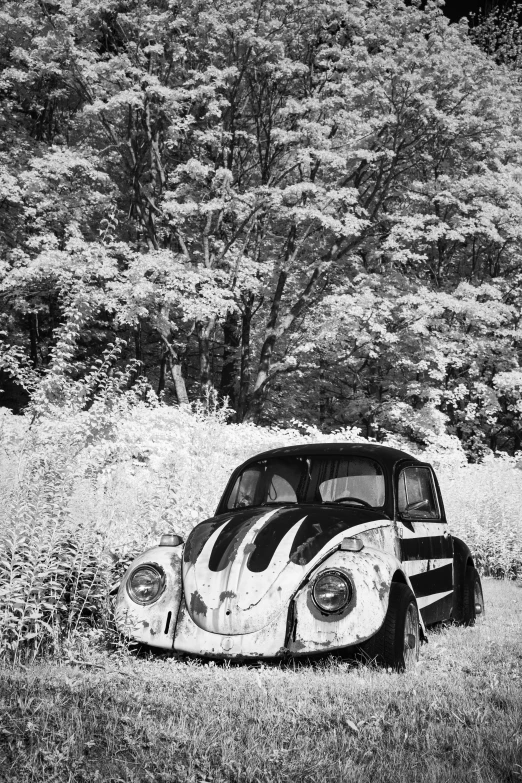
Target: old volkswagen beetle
313,549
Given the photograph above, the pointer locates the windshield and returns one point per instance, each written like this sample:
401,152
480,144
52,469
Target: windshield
351,480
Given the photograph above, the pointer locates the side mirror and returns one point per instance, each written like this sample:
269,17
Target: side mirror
170,539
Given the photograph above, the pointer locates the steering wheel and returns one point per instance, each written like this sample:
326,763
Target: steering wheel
354,499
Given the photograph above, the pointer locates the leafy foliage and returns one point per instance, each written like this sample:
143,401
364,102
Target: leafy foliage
310,210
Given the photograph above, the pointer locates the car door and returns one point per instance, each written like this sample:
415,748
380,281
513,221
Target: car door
425,544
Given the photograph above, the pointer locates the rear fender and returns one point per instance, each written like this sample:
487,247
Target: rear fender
371,572
153,624
461,560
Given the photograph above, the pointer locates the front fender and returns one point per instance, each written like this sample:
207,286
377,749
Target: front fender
371,572
153,624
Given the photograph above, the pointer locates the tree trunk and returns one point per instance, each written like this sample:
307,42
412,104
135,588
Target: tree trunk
263,369
164,329
33,336
244,378
163,366
138,348
322,392
177,377
205,381
229,371
276,327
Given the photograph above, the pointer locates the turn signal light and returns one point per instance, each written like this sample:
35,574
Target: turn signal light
351,545
169,539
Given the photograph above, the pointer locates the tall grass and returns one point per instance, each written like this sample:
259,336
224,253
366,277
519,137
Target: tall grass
484,508
83,492
457,717
53,565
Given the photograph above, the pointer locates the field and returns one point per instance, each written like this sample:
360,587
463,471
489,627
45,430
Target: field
80,495
457,717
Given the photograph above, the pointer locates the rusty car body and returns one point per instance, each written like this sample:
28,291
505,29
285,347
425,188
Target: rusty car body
314,548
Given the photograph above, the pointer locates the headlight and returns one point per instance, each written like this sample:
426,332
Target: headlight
145,584
332,591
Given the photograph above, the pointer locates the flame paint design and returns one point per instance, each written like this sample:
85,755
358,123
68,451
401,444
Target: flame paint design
236,600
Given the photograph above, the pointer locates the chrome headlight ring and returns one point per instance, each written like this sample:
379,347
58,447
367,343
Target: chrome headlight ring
332,591
146,583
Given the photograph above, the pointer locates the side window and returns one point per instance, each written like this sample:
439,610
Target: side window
283,480
416,494
245,488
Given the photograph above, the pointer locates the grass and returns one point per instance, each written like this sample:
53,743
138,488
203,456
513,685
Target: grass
457,717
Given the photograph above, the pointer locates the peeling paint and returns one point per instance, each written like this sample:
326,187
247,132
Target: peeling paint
227,594
197,605
315,631
247,577
147,623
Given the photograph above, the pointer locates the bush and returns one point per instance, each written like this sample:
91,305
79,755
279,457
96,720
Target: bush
54,570
83,492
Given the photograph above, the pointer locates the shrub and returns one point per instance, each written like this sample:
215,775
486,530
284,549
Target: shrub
84,491
53,568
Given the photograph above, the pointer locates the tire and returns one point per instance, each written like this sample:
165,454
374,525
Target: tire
397,643
472,597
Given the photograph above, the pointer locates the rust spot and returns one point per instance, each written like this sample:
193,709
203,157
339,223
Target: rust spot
145,624
226,594
298,646
175,562
383,590
197,604
327,643
249,548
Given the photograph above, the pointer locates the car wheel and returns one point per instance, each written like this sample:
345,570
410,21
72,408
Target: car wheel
397,643
472,597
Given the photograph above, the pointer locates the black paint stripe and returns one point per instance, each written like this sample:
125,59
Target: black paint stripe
202,532
436,580
230,538
271,535
426,548
320,527
199,537
438,610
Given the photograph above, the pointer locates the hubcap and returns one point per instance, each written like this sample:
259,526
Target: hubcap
479,601
411,636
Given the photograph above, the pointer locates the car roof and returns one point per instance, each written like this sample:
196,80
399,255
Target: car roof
385,455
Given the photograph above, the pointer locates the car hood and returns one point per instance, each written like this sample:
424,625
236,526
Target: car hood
241,569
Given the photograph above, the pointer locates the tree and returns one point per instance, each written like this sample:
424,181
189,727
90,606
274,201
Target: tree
260,198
